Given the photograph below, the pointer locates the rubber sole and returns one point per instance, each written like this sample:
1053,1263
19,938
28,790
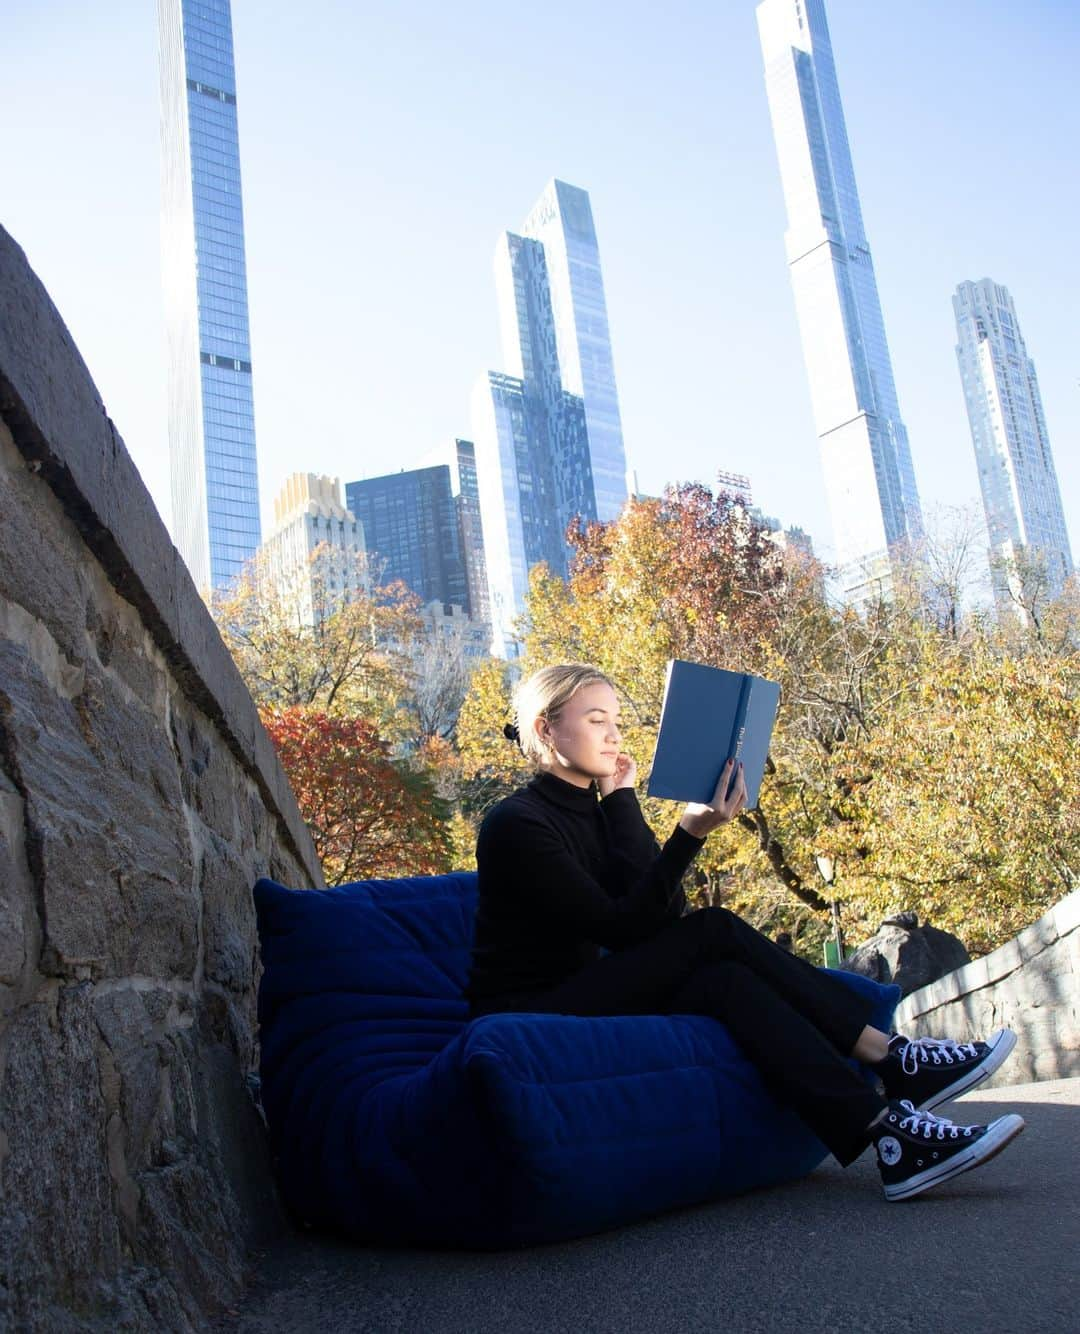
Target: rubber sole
999,1054
998,1134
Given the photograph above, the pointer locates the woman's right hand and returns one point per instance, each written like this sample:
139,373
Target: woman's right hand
700,820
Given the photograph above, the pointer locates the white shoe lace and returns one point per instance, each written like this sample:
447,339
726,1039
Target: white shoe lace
939,1050
928,1125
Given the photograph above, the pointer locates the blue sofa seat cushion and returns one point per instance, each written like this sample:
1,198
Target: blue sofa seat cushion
395,1118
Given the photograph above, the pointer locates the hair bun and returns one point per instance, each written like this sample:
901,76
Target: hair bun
512,734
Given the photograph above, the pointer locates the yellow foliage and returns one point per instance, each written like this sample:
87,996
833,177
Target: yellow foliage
937,766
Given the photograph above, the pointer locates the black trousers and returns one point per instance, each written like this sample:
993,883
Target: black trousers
795,1022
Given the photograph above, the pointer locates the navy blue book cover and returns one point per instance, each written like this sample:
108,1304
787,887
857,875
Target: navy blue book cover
710,715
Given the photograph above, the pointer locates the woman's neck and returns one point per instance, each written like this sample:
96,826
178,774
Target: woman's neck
575,777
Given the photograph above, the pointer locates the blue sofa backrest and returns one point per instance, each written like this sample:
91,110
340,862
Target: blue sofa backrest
394,938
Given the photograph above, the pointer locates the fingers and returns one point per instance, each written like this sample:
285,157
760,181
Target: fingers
725,805
739,794
719,797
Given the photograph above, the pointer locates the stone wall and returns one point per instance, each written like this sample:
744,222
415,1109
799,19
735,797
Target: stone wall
139,800
1031,985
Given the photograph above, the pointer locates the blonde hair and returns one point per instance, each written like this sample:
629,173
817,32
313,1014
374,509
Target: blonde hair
544,695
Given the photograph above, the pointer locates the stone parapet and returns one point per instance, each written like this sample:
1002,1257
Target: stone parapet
1031,984
139,800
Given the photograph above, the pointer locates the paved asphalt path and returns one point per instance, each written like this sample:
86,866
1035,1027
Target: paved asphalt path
997,1249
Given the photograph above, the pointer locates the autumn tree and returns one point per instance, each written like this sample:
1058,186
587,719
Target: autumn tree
299,642
368,815
892,748
441,659
963,798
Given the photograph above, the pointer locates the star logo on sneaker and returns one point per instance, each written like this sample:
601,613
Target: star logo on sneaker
890,1150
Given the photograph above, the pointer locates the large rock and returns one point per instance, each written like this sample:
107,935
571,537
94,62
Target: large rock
908,954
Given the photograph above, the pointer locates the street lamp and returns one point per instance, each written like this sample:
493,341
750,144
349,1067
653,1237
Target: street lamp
827,870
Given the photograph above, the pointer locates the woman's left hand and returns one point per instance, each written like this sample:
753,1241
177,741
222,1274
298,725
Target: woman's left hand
701,819
625,775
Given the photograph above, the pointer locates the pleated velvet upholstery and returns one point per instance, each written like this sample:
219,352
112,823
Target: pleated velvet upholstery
394,1118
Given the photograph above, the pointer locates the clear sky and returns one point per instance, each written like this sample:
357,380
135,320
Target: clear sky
384,146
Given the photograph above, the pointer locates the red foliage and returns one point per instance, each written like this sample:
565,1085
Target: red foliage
368,815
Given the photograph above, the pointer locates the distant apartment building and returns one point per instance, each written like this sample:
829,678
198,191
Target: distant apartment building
869,478
547,429
736,484
315,555
411,531
461,633
1020,494
215,487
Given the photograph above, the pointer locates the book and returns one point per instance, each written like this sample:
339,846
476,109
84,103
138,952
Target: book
709,716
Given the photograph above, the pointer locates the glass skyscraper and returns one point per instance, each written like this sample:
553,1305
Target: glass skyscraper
470,525
547,430
869,477
411,531
1012,448
215,492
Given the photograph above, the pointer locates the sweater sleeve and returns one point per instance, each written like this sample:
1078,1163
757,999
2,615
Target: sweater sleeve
536,868
631,838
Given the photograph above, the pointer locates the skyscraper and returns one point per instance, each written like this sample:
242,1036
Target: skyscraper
869,477
1012,449
467,504
547,431
215,490
411,530
315,554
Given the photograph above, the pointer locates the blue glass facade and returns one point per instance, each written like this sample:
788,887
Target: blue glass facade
411,532
211,416
467,501
562,222
547,430
1017,478
869,477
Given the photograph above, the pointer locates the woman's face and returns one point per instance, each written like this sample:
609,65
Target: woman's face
583,742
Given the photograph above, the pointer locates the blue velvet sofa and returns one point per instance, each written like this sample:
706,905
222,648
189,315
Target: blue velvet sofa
396,1119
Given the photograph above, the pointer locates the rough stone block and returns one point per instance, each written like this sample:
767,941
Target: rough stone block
1004,960
211,781
16,889
1067,914
53,1174
229,933
106,818
123,648
42,563
183,1233
974,976
133,1090
1040,936
235,1136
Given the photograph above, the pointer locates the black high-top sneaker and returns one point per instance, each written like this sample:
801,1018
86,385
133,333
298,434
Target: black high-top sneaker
930,1071
917,1150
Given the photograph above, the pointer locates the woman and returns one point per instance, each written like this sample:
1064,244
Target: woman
567,865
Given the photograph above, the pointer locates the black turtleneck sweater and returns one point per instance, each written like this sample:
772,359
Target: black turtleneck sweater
561,874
